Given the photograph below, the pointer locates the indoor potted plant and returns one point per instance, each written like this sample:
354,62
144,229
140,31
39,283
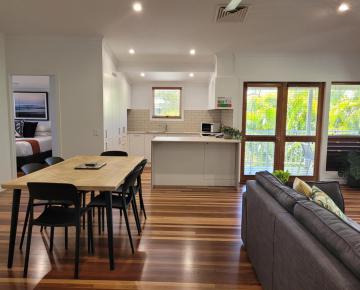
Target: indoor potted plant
282,175
231,133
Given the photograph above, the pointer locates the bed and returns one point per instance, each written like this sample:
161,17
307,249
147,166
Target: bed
33,150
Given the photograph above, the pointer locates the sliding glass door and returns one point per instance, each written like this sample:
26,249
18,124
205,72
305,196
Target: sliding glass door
282,128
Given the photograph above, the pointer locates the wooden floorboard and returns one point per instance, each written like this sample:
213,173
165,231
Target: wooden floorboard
191,240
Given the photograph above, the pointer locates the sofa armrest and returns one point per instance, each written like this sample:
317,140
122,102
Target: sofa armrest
244,219
332,189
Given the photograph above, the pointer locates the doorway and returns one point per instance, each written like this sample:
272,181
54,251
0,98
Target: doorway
32,101
282,128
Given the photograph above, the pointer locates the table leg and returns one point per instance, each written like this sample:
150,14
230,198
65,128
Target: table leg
13,226
109,220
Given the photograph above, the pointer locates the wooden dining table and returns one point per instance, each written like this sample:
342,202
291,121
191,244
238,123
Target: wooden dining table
106,179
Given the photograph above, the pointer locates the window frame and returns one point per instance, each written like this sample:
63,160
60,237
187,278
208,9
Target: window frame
153,116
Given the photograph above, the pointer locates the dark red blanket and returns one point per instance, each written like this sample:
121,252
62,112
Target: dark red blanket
34,145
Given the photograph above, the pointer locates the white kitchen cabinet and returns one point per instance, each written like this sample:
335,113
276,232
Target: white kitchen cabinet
148,138
136,144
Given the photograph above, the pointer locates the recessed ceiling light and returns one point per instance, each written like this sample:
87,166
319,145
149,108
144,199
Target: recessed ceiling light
142,74
137,7
343,7
132,51
192,51
191,75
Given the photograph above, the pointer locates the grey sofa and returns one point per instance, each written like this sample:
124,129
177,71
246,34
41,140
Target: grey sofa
294,244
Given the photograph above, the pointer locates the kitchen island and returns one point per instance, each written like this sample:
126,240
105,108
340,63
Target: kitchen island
195,161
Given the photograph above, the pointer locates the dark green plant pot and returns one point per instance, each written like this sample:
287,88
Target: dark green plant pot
227,136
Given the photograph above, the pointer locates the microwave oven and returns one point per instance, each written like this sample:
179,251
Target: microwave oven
210,128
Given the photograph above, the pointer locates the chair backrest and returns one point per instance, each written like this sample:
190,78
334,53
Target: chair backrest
32,167
54,192
142,164
114,153
53,160
131,178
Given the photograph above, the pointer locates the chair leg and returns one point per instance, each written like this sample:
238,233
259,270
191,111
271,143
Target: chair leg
142,206
25,226
90,234
136,215
99,220
91,198
42,228
27,255
66,238
102,219
128,228
83,204
52,239
77,250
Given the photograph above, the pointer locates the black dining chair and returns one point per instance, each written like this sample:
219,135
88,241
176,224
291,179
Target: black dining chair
114,153
28,169
138,187
53,160
56,215
122,201
101,214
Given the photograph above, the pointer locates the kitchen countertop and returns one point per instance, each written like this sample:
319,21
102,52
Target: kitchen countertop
194,139
163,132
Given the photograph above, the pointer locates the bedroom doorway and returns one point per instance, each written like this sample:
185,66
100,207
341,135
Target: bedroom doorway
32,101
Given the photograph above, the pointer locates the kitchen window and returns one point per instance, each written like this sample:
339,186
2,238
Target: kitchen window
167,103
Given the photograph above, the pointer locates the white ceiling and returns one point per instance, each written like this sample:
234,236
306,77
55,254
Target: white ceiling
166,29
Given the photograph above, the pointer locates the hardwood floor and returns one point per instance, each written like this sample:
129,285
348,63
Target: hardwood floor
191,240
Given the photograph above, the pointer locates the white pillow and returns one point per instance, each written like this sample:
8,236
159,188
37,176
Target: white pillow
42,133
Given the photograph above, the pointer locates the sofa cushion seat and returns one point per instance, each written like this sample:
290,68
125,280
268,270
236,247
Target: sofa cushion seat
286,196
340,238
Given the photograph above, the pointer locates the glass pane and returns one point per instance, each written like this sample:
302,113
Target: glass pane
167,102
344,114
259,156
302,111
261,111
299,158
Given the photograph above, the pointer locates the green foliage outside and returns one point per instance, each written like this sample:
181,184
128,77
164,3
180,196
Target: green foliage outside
167,103
344,115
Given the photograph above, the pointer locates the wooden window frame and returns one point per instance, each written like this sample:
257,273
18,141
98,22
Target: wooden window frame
280,129
167,117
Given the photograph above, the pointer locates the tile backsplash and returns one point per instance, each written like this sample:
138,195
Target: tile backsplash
139,120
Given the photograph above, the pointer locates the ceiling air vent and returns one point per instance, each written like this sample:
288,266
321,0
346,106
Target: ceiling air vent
237,15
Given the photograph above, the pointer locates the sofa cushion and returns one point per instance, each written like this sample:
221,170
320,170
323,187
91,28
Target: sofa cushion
341,239
332,189
286,196
302,187
322,199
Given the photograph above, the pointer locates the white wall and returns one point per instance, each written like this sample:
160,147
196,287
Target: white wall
298,68
194,95
76,67
116,91
7,170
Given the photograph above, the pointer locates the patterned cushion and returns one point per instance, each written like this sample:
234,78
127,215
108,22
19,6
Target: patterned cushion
302,187
19,127
322,199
